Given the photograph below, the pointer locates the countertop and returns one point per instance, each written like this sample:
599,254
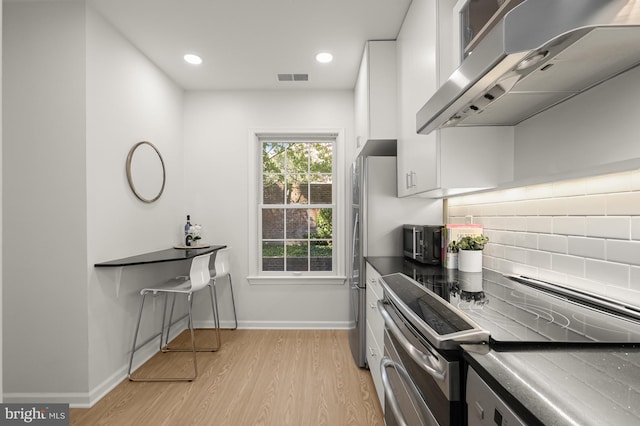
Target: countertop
568,386
599,386
168,255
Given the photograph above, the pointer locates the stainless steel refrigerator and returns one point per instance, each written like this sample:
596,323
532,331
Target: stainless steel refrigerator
377,216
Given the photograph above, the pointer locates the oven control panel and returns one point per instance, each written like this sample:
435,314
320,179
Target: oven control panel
485,407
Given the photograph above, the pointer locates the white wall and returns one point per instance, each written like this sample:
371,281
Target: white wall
597,130
80,98
128,100
217,128
1,236
44,200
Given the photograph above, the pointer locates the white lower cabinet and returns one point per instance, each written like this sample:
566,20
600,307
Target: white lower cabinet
375,330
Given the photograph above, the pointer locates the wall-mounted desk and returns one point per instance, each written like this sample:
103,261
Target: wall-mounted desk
168,255
161,256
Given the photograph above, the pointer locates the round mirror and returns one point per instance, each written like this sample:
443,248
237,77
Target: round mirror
145,172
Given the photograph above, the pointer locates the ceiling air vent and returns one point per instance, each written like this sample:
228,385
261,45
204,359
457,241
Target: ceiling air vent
293,77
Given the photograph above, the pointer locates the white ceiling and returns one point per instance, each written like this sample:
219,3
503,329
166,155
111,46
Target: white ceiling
246,43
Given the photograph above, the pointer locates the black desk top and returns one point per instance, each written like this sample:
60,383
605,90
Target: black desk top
168,255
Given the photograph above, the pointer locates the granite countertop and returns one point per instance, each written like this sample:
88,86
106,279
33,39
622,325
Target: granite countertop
573,385
569,386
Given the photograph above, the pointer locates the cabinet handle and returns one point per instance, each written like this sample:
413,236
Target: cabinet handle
411,179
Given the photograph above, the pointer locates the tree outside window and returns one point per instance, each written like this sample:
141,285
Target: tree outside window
297,206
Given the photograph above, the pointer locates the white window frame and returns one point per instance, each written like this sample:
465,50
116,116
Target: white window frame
256,276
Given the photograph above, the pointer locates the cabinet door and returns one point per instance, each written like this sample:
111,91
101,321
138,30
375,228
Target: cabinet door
375,329
361,100
375,93
416,48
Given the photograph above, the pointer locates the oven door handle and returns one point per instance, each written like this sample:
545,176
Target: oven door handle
391,398
428,362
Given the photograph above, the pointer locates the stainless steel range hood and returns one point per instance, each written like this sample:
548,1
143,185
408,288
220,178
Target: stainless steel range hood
539,54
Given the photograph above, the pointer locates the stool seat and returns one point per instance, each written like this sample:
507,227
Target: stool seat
221,269
199,278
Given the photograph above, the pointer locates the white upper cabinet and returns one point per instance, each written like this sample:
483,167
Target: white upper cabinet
417,77
451,161
375,93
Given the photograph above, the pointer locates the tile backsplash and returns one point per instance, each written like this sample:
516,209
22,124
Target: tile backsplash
584,234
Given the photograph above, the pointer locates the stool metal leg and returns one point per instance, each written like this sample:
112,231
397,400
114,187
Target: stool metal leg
193,344
233,303
214,311
135,336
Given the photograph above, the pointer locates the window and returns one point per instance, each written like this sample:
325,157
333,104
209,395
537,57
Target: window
297,205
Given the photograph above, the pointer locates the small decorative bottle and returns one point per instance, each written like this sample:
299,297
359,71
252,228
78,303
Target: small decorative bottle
187,237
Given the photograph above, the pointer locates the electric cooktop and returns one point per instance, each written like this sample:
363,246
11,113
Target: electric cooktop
512,310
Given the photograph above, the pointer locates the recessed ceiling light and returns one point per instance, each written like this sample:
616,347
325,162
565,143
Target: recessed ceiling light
193,59
324,57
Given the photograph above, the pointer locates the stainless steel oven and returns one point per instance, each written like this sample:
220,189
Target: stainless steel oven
421,369
413,373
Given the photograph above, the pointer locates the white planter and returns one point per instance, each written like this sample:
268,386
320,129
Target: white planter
470,260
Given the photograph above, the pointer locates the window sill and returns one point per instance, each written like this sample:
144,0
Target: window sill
290,280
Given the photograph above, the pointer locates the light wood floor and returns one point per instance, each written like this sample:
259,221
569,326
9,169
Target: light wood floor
258,377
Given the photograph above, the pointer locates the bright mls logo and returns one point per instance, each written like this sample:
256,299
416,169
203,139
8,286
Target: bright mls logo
36,414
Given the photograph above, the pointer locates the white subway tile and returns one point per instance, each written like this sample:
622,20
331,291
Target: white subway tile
490,209
516,223
498,223
571,265
635,180
587,247
526,240
607,272
526,208
459,211
587,285
539,259
625,295
569,225
552,207
494,250
635,228
617,182
552,276
541,224
505,209
570,188
609,227
553,243
521,269
590,205
626,203
515,254
623,251
634,282
503,237
537,192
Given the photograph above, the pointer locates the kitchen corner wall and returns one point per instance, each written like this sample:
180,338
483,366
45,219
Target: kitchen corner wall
77,96
584,233
217,136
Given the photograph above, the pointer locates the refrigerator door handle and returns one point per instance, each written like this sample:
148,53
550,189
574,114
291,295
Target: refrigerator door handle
353,242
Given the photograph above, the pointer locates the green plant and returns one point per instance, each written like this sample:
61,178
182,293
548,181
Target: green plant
453,247
472,242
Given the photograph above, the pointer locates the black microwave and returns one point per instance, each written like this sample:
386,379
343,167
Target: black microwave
423,243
